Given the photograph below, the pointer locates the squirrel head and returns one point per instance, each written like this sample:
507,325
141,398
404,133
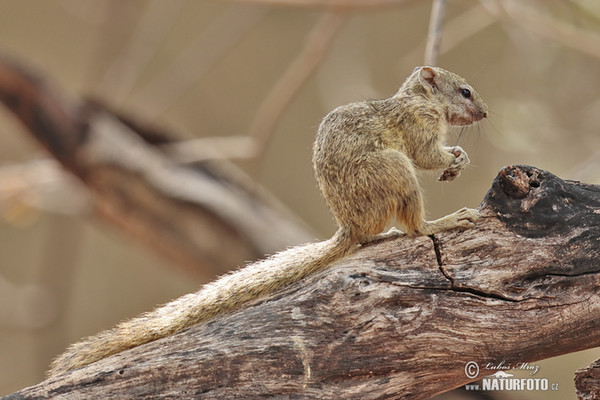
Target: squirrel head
462,104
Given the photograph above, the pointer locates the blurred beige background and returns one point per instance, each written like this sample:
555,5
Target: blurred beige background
203,68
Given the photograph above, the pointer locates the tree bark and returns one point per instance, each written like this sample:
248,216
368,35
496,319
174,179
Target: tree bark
207,217
397,319
587,382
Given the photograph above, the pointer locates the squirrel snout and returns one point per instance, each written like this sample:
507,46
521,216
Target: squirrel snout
485,110
478,113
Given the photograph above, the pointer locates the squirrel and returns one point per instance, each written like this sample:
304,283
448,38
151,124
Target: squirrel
365,160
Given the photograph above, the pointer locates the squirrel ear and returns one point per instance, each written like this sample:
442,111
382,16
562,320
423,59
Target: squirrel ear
427,76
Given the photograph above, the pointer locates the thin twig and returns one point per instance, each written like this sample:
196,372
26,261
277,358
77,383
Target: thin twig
272,108
434,36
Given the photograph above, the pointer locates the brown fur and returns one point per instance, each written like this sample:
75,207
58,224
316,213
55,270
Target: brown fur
365,156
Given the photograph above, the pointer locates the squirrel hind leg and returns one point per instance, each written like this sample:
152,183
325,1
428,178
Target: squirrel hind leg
411,211
464,218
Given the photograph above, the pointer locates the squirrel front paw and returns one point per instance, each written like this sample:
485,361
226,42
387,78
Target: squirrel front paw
466,217
461,160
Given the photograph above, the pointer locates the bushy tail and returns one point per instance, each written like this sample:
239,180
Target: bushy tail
226,294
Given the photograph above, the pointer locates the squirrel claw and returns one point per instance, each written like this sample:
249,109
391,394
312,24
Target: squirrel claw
448,175
460,162
466,217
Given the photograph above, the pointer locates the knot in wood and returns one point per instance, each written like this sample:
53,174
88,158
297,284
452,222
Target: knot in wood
517,182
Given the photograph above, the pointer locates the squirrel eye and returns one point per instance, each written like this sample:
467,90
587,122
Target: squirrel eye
466,93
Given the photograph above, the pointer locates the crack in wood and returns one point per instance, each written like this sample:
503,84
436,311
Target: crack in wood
437,247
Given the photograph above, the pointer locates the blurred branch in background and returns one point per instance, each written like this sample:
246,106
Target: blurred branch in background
208,218
434,37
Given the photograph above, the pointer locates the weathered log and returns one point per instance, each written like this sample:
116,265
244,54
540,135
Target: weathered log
398,319
207,217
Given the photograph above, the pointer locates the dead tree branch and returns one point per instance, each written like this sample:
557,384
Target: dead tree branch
398,319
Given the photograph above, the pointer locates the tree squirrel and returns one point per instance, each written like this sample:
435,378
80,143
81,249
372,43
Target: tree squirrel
365,155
